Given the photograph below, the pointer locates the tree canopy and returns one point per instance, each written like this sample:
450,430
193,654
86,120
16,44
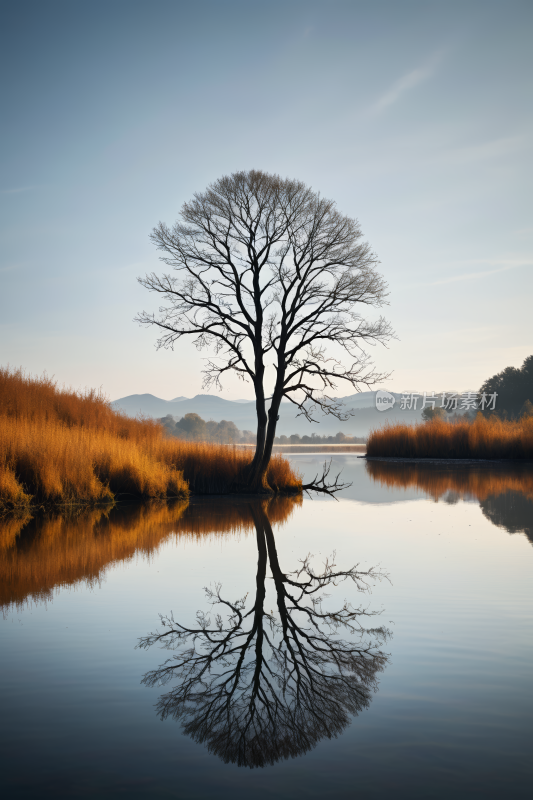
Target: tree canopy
514,388
272,278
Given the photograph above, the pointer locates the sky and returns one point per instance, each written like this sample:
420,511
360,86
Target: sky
415,117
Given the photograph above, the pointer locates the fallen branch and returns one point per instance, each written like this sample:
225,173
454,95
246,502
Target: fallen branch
319,484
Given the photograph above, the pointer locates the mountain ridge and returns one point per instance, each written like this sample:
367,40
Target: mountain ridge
243,414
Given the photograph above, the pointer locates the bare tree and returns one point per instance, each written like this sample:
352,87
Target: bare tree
257,686
268,273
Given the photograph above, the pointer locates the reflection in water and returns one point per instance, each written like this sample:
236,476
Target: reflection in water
40,554
37,555
512,511
505,492
257,686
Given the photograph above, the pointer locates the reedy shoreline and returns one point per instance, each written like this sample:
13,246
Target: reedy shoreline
489,439
61,448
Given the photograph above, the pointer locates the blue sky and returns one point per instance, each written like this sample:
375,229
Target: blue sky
416,117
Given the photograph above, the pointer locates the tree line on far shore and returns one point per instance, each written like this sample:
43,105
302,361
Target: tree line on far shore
339,438
193,428
513,388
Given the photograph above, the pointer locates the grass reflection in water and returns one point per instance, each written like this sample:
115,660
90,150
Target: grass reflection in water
38,555
505,493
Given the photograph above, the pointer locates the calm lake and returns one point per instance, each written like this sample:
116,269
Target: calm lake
411,678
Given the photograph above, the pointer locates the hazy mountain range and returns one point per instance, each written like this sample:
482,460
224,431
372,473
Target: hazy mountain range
242,412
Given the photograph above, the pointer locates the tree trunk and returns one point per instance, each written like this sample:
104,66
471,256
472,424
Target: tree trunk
258,474
255,466
255,479
273,416
266,428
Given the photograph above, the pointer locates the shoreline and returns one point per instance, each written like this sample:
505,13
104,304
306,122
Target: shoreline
454,461
313,448
132,500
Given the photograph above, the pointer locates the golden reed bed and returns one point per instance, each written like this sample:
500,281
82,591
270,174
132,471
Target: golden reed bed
58,446
38,555
487,438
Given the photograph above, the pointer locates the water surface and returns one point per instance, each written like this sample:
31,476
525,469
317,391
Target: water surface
429,694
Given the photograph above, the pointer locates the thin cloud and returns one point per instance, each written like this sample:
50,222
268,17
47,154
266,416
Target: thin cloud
474,275
484,151
9,268
407,82
18,190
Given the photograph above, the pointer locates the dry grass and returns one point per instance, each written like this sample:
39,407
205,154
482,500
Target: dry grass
40,555
484,438
58,446
214,468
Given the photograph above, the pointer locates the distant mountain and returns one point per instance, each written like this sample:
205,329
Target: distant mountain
146,404
151,406
365,415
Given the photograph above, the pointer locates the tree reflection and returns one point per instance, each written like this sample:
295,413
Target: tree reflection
257,686
512,511
504,492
